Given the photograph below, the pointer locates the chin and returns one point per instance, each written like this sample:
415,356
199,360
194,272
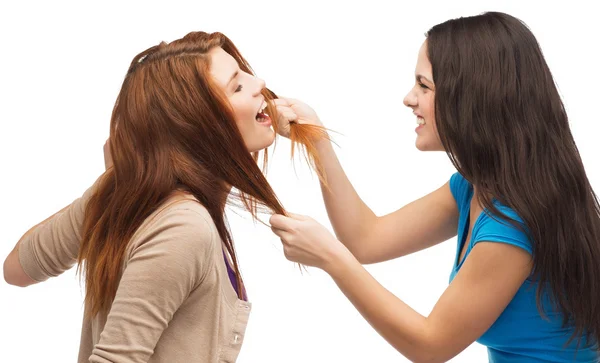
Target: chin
426,146
428,141
422,146
264,143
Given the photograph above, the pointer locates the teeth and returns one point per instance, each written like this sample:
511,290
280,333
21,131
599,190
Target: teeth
420,121
261,113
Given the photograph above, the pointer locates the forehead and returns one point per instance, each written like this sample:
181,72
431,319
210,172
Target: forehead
423,64
222,65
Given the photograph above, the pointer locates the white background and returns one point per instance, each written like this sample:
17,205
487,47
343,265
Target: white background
61,66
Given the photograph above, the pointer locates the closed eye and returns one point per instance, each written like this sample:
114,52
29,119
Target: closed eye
239,88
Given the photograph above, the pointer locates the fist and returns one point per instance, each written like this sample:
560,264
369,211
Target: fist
294,111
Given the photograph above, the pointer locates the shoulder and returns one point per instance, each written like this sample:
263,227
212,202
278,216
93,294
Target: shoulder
494,228
180,225
460,188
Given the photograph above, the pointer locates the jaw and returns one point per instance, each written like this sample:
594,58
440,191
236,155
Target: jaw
261,140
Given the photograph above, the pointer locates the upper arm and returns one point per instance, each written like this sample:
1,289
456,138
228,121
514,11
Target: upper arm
163,269
423,223
485,284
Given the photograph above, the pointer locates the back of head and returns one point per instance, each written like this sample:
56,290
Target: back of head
494,89
502,122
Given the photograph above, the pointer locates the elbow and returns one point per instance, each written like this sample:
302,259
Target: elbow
359,247
360,243
428,356
436,354
431,349
364,255
357,252
10,279
9,276
17,282
14,274
367,259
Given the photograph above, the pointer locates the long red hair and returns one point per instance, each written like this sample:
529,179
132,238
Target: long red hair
172,128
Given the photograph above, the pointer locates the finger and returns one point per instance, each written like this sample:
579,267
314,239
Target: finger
284,237
281,101
284,110
298,217
289,255
279,232
288,112
289,116
279,221
292,101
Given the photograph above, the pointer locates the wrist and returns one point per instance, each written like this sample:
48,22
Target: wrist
340,261
323,144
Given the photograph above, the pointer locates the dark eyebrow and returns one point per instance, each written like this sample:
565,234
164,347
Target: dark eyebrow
419,77
232,77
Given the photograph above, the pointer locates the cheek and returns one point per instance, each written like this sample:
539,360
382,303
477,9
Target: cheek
236,108
430,106
240,112
245,108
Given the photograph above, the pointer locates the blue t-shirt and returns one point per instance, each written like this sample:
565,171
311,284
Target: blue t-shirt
520,334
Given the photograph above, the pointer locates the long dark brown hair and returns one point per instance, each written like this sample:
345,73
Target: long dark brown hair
172,128
502,122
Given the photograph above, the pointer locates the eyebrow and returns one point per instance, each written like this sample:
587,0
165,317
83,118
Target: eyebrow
232,77
419,77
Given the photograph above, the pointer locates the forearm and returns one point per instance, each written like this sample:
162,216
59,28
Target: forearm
350,217
401,326
12,269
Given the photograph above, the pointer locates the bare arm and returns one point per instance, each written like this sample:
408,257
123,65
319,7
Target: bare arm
418,225
484,286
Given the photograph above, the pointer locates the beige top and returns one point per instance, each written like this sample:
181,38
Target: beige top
175,302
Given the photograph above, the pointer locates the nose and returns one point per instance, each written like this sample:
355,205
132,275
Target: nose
410,100
260,85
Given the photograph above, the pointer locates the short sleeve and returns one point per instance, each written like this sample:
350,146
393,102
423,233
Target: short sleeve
495,229
167,261
53,247
459,187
